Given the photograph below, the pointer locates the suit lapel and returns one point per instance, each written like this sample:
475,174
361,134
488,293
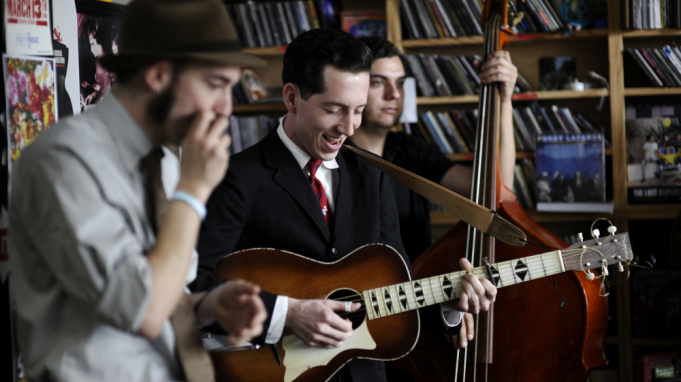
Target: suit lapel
348,181
291,178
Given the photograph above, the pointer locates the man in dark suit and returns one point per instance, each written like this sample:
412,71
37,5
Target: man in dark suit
296,191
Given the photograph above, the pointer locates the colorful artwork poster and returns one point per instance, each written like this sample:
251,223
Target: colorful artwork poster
97,37
27,27
31,99
65,34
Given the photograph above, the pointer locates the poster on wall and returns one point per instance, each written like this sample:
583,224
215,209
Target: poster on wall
31,100
27,27
97,37
65,36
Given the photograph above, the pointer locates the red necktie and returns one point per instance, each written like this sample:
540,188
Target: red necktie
313,166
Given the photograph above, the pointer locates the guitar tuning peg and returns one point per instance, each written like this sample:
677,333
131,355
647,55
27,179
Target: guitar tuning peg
589,275
612,229
596,233
580,236
620,268
604,269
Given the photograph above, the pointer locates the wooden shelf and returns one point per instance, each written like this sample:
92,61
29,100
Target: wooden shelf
530,96
270,51
651,91
651,33
472,40
260,108
647,212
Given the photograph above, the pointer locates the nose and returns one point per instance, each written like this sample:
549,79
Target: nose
392,91
223,105
350,123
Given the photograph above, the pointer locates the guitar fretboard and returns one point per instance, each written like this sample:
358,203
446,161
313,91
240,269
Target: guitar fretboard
398,298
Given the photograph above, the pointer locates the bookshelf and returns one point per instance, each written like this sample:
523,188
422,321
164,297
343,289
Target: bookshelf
598,50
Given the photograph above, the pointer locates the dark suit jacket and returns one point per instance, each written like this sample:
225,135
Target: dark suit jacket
266,201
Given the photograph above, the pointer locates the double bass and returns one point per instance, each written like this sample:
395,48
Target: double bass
552,329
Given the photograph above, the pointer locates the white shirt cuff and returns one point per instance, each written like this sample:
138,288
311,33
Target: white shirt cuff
278,320
450,316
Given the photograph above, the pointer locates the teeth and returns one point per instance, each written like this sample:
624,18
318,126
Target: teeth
332,140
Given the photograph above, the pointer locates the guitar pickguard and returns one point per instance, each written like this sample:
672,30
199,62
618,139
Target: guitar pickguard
300,357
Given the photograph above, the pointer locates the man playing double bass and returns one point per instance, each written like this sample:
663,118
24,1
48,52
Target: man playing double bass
383,111
296,191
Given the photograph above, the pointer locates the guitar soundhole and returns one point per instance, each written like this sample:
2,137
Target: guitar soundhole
356,317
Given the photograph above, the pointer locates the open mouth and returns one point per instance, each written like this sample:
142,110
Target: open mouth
333,141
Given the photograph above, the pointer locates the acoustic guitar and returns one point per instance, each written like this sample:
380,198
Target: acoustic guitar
386,327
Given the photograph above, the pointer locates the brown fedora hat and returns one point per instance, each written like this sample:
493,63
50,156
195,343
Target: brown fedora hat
176,29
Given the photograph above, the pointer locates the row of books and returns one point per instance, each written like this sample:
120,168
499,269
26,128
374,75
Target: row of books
272,23
534,120
525,183
447,75
662,66
249,130
453,132
458,18
652,14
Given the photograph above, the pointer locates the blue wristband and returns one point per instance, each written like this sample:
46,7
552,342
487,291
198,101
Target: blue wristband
191,201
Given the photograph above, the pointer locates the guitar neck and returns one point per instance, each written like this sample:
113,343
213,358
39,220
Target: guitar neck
398,298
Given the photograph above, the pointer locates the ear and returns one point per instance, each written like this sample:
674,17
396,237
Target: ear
158,76
291,96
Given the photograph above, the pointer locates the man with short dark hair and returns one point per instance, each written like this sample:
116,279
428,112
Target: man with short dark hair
383,110
296,191
100,258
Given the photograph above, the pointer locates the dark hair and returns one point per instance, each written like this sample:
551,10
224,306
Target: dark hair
648,137
380,47
309,54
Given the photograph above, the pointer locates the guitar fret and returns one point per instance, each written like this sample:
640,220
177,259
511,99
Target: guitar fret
436,290
409,292
397,306
367,305
381,302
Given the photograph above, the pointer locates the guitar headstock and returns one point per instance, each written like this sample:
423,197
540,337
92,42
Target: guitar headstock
592,254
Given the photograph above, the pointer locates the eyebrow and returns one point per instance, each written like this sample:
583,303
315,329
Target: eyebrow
325,104
385,78
224,79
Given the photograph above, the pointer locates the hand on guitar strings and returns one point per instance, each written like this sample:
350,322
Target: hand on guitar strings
237,307
499,68
466,334
316,323
477,295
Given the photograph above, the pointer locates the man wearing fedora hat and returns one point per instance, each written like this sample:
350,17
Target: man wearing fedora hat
100,258
297,191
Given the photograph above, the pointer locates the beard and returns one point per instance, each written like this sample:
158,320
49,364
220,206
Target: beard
160,105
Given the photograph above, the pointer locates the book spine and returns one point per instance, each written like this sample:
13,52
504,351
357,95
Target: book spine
661,58
312,14
408,16
245,24
653,63
433,18
439,133
449,129
643,64
292,20
257,23
283,23
426,22
474,22
571,121
561,124
444,18
267,32
302,16
461,141
549,122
